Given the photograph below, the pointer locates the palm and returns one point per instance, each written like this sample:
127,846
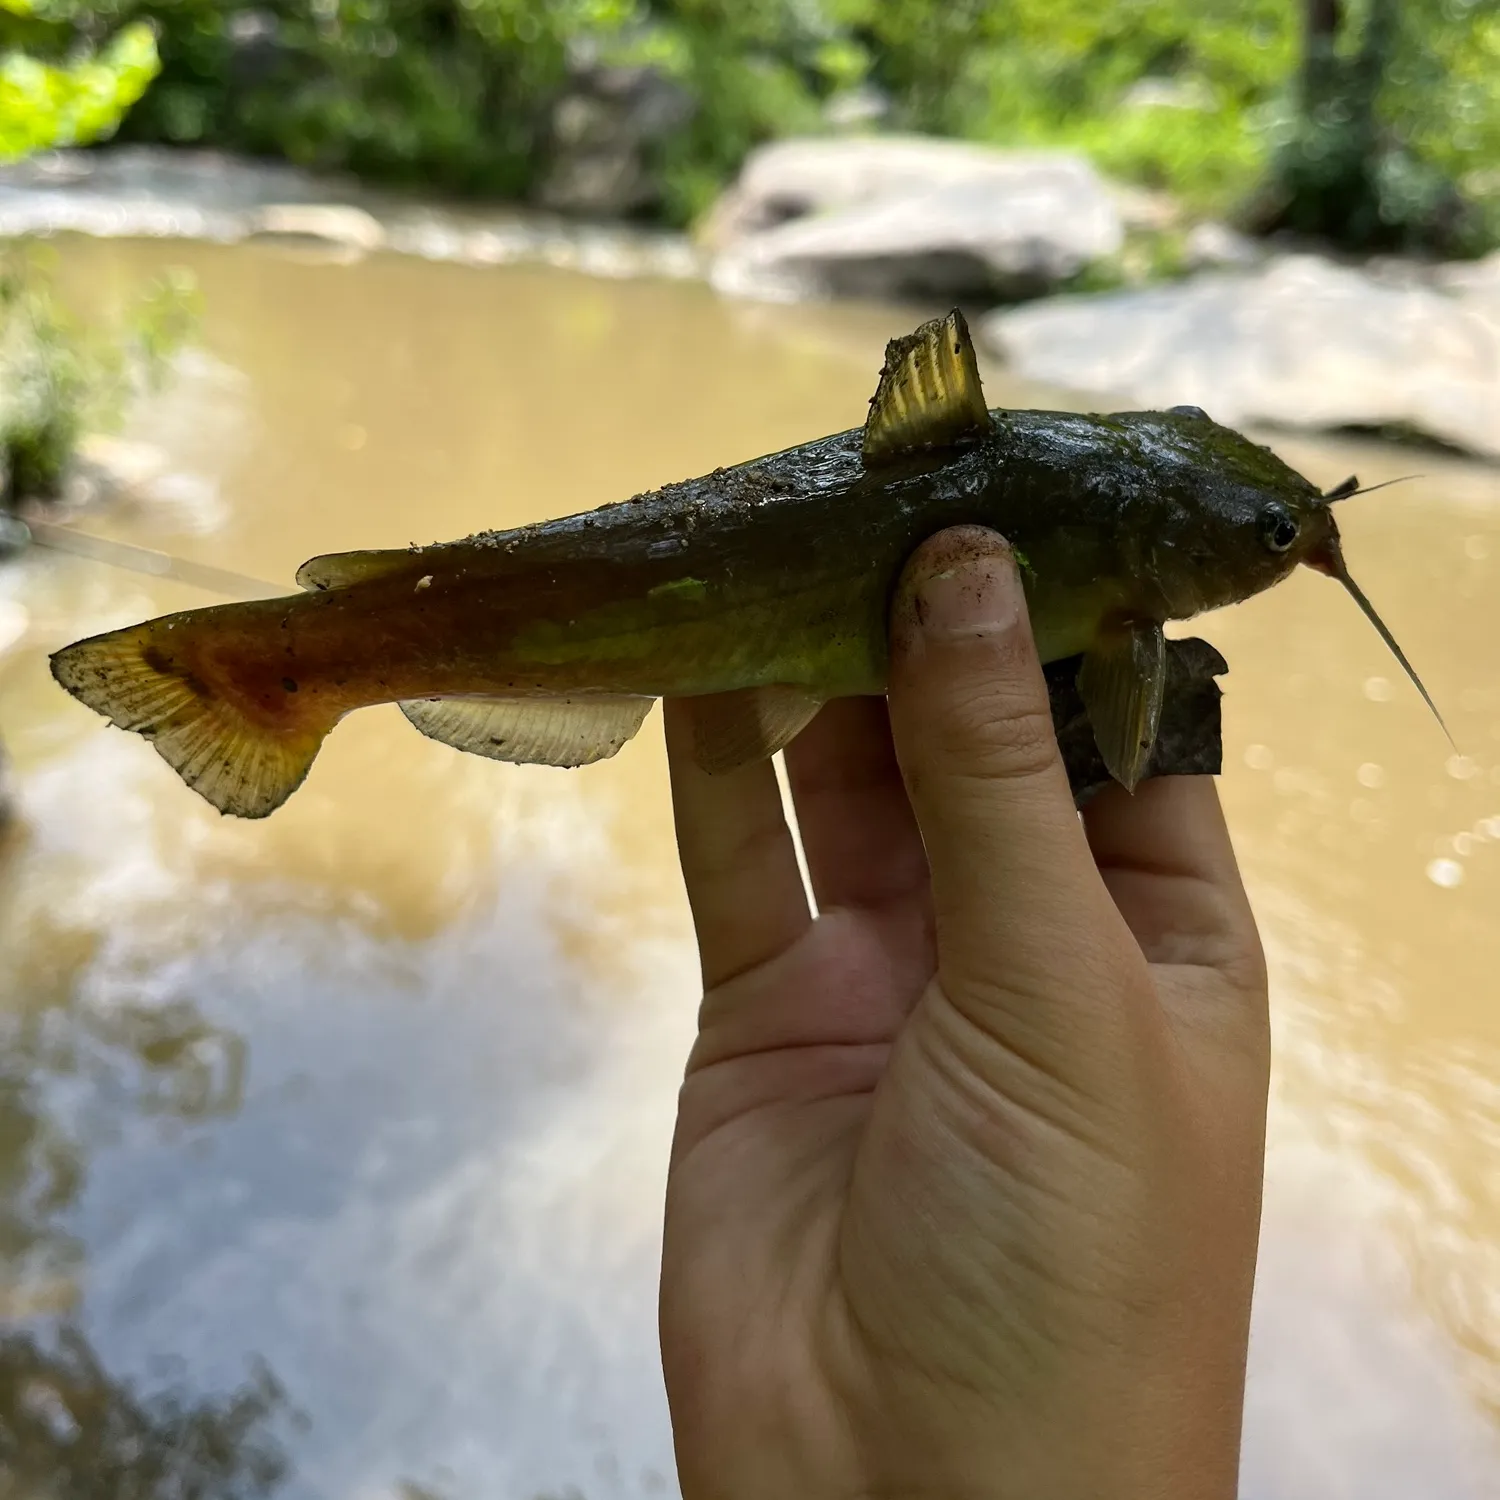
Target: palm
770,1125
797,1024
785,1149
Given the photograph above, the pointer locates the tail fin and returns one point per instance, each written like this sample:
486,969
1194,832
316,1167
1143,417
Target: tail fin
242,767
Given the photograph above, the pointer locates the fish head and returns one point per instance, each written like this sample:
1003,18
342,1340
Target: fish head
1237,519
1243,520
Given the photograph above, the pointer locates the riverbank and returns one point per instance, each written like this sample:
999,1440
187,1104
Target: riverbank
1127,299
152,192
1074,281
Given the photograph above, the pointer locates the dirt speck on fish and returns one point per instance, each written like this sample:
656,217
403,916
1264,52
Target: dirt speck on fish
761,591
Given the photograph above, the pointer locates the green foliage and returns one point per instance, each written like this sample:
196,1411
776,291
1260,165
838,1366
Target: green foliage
452,94
69,102
1164,92
58,382
67,83
45,380
1198,96
1359,160
1208,97
755,70
458,94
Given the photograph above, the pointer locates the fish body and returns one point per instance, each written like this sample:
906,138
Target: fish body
760,590
781,570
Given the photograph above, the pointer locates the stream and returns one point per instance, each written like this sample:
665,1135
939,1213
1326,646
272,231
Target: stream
339,1140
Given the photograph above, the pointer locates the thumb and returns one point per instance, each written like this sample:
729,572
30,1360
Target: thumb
1022,914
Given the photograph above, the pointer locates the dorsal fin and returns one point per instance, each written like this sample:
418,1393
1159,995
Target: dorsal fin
929,395
336,569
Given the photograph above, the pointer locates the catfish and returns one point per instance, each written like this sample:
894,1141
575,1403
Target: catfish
759,591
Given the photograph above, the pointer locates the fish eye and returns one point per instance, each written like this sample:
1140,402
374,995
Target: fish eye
1278,528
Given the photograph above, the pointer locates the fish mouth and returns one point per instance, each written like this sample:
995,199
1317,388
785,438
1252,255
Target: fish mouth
1326,556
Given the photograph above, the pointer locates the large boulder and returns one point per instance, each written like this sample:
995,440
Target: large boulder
1477,284
341,230
1302,342
899,216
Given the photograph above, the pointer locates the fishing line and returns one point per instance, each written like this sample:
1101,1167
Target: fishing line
153,564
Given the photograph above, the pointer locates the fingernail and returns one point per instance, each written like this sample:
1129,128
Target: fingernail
964,582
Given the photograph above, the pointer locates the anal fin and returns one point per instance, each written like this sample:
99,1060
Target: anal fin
532,731
738,728
1121,683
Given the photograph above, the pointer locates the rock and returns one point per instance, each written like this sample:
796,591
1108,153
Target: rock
156,190
103,468
892,216
602,131
861,108
1146,210
146,192
1477,285
1169,93
793,178
256,47
124,464
341,226
1300,343
1211,246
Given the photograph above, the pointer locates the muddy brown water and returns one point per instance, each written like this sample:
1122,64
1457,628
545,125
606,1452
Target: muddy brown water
349,1128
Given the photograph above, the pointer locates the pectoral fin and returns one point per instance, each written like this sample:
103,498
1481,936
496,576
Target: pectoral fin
929,394
531,731
1121,682
736,729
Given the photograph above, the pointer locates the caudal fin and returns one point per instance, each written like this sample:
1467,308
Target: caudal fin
242,767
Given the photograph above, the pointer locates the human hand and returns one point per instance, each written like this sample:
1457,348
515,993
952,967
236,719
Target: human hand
966,1182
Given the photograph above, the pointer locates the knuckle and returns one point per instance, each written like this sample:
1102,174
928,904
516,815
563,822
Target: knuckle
1244,966
999,733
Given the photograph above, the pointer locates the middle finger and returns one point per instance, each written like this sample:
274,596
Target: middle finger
859,835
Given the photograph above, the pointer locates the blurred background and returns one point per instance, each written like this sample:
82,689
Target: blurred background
332,1148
